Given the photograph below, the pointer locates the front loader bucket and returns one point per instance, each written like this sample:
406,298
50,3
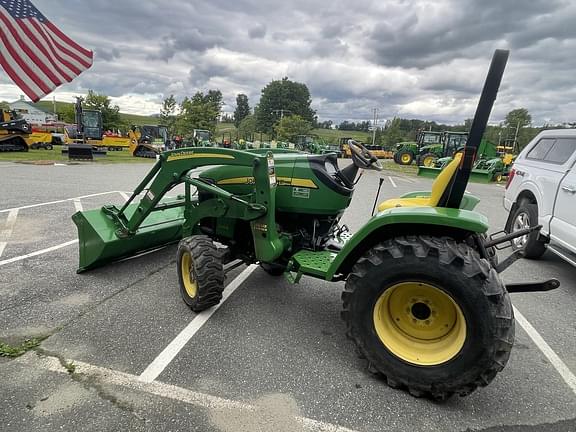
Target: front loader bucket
476,175
481,176
100,245
429,172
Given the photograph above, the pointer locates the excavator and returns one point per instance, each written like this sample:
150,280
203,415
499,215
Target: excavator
14,132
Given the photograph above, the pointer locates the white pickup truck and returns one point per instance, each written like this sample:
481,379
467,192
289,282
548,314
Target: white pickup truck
541,190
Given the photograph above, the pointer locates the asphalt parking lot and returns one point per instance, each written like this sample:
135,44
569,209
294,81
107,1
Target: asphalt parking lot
272,357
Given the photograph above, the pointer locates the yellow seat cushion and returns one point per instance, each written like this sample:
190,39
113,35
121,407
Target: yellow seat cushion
404,202
438,187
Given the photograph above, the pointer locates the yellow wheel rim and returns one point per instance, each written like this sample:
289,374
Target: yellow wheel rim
405,158
499,178
187,269
429,161
419,323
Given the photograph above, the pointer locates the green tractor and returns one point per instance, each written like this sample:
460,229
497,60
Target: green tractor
407,151
314,144
423,300
449,143
490,165
202,138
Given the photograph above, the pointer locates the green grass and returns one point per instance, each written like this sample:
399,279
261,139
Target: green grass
55,155
390,165
139,120
333,135
16,351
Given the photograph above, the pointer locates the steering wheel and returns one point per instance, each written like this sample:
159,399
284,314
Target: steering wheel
362,157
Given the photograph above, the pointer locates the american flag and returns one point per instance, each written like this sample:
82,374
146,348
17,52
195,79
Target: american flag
34,52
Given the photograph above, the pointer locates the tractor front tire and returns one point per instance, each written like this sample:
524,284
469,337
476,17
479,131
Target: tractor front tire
200,272
429,315
405,157
428,160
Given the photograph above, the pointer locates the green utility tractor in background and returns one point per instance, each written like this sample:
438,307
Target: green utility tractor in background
490,164
449,143
407,151
314,144
202,138
423,300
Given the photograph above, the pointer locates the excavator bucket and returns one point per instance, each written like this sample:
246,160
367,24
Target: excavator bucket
100,241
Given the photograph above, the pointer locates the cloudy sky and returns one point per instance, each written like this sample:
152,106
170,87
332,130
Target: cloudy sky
410,58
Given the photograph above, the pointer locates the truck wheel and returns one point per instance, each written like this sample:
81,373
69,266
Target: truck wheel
430,315
405,158
273,269
200,272
526,216
427,160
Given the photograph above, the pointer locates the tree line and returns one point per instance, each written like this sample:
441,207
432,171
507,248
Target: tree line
284,110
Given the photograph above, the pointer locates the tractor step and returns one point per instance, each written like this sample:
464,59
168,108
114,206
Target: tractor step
311,263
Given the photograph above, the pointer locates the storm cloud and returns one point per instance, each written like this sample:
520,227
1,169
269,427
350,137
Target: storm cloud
414,58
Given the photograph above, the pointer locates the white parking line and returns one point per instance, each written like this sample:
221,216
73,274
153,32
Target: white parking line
155,368
40,252
77,204
392,181
124,195
56,202
7,231
556,361
112,377
406,179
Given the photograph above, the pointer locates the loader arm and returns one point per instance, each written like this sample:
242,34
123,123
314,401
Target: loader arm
110,233
170,170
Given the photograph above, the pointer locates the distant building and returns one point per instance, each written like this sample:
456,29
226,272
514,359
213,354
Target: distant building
31,113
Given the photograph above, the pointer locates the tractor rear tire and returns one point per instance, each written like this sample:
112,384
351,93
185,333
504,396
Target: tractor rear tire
200,272
429,315
273,269
405,157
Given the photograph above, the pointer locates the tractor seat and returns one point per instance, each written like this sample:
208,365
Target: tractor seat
439,187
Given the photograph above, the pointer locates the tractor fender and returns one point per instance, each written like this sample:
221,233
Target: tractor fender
398,221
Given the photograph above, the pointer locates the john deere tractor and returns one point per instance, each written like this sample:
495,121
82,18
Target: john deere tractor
408,151
423,300
449,143
14,132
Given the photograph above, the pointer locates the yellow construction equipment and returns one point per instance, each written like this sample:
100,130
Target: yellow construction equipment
14,132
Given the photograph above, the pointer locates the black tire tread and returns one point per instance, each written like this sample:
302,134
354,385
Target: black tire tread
209,271
534,248
449,253
273,269
399,157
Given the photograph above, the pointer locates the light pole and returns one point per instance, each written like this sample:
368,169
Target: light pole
374,126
